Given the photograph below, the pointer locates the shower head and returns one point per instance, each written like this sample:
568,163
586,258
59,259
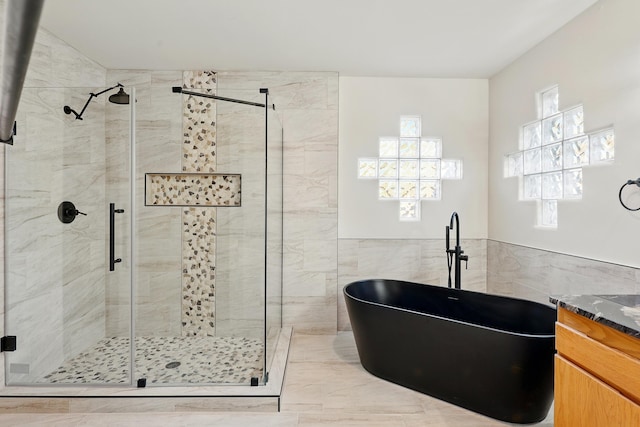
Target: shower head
121,97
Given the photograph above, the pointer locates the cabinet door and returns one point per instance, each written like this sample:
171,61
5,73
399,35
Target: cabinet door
583,400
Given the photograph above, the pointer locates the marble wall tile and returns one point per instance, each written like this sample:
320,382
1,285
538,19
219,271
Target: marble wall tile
159,231
315,315
290,90
52,258
240,270
310,125
418,260
310,214
536,274
54,63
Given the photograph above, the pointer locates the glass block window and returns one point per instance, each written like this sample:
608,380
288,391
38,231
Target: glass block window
409,147
550,102
388,168
531,136
388,190
552,186
573,123
552,157
533,187
367,168
409,190
430,189
410,126
451,169
410,168
430,148
430,168
533,161
554,149
552,129
601,146
409,210
576,152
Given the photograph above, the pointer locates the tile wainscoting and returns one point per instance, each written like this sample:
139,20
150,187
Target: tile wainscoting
416,260
494,267
534,274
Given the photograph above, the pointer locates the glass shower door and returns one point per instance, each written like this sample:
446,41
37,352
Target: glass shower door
68,195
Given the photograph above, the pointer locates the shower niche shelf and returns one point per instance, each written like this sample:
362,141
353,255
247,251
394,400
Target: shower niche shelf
193,189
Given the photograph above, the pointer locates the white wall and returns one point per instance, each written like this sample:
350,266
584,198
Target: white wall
595,60
455,110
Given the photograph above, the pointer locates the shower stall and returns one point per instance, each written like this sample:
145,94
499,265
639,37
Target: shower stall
143,240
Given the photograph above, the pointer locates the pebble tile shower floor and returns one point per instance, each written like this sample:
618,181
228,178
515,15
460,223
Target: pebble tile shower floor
203,360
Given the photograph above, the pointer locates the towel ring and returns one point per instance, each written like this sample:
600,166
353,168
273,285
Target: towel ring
629,182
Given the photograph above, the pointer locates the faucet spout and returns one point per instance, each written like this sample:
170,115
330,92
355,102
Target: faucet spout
455,256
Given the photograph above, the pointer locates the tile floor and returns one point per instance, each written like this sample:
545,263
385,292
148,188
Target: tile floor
202,360
325,385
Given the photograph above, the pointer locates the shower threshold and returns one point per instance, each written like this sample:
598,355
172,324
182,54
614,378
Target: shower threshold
62,398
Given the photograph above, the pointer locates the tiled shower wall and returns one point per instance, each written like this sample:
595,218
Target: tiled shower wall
38,307
307,104
240,302
159,232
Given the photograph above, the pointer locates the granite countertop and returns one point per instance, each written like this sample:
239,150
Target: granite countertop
621,312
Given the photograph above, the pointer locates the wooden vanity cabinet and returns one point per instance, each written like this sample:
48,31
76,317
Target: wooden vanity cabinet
597,374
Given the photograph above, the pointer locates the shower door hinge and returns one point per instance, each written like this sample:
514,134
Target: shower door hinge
8,343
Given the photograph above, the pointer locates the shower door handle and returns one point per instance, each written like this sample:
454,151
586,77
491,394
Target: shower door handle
112,236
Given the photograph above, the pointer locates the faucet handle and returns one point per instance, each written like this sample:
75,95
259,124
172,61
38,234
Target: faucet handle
465,258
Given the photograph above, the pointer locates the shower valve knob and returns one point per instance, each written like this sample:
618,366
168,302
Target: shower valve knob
67,212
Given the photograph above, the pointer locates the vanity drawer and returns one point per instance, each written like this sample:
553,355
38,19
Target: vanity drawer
583,400
612,366
599,332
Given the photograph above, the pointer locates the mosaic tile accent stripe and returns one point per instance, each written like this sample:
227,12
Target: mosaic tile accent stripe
199,123
198,271
216,190
199,224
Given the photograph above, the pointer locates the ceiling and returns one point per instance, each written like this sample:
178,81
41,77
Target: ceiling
399,38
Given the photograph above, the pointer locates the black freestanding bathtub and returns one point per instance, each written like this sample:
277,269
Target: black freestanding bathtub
487,353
